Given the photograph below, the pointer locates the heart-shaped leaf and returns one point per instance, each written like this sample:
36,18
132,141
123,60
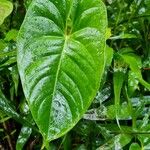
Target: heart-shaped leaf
61,52
6,8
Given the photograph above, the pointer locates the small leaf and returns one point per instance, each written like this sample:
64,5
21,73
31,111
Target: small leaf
117,143
123,112
133,83
6,8
135,146
103,94
109,56
144,140
8,62
23,137
118,79
8,55
11,35
27,3
135,65
61,55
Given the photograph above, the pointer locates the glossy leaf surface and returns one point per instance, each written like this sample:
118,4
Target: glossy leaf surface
23,137
61,58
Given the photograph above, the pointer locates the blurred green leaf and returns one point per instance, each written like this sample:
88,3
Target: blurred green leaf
6,8
4,119
96,114
109,56
2,45
103,94
9,62
118,142
123,112
1,130
81,147
15,78
112,128
66,141
124,36
135,146
136,101
11,35
7,54
145,141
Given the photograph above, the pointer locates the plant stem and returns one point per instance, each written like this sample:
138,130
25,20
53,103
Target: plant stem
8,137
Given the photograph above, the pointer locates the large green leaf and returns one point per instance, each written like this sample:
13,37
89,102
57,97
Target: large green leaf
61,52
6,8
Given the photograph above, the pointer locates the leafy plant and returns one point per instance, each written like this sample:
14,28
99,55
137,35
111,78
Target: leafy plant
61,61
117,117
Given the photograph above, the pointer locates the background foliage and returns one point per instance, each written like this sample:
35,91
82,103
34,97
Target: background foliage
119,115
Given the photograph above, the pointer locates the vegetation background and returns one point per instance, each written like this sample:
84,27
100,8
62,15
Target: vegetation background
119,115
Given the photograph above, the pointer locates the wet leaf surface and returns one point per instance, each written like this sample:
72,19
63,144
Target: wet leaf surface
61,54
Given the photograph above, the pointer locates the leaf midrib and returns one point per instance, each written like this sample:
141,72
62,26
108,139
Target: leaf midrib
56,78
58,69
